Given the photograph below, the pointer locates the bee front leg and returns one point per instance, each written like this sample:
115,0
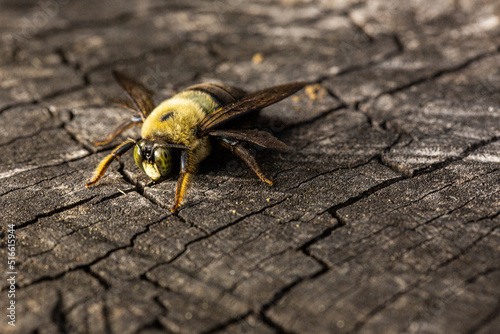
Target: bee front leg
104,164
188,169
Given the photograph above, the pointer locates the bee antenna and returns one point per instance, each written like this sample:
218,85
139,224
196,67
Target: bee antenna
167,145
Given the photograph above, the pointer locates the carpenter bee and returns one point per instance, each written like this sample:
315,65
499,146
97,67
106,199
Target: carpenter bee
187,123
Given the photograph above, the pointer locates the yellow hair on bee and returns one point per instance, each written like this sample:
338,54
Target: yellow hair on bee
175,119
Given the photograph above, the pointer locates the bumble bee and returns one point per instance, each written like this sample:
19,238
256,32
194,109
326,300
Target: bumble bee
188,122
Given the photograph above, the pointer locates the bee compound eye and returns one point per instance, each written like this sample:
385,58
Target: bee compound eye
163,160
138,157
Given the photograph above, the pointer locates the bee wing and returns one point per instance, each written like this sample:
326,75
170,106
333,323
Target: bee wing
246,104
126,104
261,138
222,93
137,92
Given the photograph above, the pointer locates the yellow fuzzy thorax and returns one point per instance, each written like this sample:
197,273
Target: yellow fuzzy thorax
174,119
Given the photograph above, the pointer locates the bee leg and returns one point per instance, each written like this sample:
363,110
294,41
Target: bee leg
188,169
134,121
104,164
236,147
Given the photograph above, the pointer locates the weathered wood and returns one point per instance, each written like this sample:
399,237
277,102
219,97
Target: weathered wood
384,216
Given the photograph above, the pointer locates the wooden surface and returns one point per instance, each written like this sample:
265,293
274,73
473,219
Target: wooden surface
384,217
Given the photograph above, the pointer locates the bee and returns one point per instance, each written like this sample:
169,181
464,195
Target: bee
188,124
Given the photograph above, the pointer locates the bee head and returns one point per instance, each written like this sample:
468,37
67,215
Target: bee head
153,159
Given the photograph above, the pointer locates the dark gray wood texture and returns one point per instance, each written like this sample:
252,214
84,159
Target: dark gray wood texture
384,216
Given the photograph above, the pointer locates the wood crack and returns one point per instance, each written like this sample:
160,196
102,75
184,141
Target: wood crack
339,221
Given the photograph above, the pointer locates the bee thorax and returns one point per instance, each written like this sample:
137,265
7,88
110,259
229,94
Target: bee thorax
174,120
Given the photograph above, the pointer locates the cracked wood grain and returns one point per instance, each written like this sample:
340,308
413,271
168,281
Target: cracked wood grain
384,215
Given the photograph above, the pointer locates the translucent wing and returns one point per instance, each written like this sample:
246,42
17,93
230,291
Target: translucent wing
261,138
221,93
247,104
137,92
127,104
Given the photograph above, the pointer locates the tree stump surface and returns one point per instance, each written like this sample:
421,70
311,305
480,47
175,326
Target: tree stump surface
384,216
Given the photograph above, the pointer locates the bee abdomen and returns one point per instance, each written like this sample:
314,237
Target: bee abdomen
222,94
